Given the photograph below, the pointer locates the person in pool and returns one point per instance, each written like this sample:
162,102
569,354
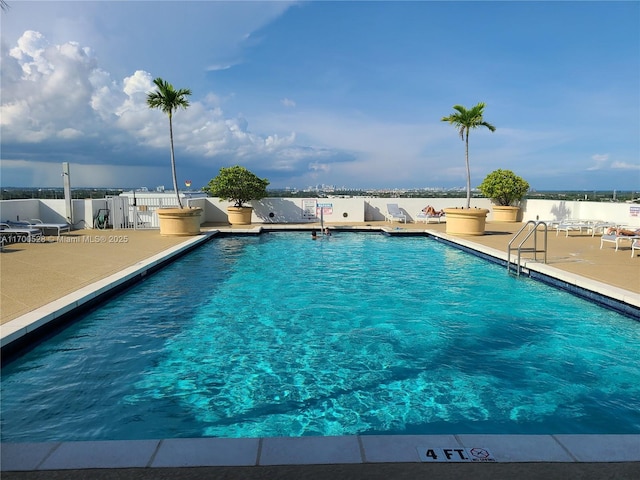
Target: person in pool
327,232
314,236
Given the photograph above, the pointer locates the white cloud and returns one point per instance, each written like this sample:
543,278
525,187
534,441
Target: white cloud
600,161
288,103
625,166
59,92
69,133
52,93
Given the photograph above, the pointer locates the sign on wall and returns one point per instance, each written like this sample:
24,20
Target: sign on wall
327,209
309,208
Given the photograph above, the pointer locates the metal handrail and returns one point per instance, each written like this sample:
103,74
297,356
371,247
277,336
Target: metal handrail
532,231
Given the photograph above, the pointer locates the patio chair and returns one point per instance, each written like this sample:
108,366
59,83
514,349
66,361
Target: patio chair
394,213
39,224
572,226
617,239
635,245
9,233
427,218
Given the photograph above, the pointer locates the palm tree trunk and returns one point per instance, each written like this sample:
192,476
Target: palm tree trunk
468,171
173,164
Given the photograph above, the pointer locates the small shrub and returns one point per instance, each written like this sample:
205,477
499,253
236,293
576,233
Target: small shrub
504,187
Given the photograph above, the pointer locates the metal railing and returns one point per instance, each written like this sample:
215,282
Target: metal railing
521,248
137,213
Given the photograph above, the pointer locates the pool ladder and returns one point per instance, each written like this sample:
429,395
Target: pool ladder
521,248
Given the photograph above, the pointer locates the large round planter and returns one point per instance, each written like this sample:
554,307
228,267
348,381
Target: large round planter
505,213
239,215
180,222
466,221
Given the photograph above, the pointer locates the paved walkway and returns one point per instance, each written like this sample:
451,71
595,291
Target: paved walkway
32,275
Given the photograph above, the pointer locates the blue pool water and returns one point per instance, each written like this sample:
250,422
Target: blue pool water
279,335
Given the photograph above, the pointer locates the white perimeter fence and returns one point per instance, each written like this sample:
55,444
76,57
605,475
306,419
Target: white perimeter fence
139,212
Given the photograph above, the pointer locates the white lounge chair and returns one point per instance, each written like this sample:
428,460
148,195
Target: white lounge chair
59,227
426,218
617,239
394,213
9,233
635,245
573,226
39,224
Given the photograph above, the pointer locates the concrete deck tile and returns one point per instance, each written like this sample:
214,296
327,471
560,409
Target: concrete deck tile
518,448
310,450
24,456
104,454
196,452
401,448
610,448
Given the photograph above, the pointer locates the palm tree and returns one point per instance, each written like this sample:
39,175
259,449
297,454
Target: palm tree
168,99
464,120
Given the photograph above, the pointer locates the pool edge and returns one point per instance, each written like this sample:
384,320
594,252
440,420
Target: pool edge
273,451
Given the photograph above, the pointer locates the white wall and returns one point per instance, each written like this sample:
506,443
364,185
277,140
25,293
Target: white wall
290,210
377,207
336,210
618,213
17,210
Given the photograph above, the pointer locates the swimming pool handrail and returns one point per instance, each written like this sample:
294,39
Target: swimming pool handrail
532,231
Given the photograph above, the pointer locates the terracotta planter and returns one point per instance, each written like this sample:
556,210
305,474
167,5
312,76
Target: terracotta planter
466,221
239,215
505,213
180,222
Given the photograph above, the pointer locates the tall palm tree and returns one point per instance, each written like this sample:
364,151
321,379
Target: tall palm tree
464,120
168,99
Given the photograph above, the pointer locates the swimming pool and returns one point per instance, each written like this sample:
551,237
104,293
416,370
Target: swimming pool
279,335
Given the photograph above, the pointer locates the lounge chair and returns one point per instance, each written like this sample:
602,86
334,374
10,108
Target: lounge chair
426,218
617,239
9,233
394,213
574,225
39,224
635,245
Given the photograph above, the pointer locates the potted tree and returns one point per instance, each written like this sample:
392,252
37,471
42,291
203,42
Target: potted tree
238,185
174,221
505,189
467,221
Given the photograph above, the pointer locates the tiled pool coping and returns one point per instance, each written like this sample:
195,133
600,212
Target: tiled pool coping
204,452
302,450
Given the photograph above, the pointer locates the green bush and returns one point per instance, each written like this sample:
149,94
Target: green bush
504,187
237,185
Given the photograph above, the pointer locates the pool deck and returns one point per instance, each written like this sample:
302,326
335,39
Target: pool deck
42,281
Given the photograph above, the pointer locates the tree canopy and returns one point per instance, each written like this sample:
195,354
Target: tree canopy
238,185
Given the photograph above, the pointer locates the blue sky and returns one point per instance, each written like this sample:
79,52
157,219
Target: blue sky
305,93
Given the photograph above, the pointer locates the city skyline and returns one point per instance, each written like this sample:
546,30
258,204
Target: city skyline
337,93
